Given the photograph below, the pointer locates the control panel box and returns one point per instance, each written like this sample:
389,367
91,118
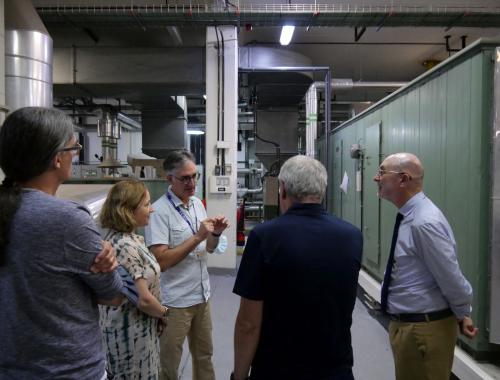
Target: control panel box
220,184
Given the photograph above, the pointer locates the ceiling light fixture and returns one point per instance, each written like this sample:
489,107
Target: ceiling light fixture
286,34
195,132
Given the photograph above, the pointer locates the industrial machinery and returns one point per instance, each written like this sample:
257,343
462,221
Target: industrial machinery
445,117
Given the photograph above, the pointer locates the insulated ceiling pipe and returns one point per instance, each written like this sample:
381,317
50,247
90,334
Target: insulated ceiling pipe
28,57
347,84
131,124
366,84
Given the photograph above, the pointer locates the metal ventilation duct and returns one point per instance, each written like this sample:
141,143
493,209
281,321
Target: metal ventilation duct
278,126
28,57
275,88
162,132
109,131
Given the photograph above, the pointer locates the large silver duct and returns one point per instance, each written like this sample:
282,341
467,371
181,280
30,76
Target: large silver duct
28,57
275,88
278,91
162,132
109,131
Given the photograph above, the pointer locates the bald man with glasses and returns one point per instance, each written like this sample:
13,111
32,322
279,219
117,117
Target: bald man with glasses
180,234
424,291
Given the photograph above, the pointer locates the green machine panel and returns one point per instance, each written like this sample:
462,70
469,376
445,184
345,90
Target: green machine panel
444,117
371,202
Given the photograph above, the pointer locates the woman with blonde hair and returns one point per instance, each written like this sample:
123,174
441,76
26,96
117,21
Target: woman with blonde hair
130,332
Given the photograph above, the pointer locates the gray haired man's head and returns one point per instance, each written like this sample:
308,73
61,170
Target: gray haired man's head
177,159
303,177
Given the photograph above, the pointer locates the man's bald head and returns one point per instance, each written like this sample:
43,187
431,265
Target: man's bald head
399,178
405,163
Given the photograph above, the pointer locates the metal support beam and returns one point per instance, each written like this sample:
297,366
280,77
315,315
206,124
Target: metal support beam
382,22
357,35
328,100
91,34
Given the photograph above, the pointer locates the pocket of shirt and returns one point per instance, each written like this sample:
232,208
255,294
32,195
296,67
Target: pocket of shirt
179,235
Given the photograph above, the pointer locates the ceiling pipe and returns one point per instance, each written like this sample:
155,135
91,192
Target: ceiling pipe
250,170
366,84
127,120
348,84
242,191
174,33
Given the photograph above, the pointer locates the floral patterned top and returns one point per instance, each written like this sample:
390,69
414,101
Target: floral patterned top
130,336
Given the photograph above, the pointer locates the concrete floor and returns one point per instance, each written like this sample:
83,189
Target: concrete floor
372,353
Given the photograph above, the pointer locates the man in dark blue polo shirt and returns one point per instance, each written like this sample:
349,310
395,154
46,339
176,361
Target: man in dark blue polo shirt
297,281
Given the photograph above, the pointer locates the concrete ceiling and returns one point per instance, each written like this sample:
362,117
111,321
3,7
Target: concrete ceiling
357,42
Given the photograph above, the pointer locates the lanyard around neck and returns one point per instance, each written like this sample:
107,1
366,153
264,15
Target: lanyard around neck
182,214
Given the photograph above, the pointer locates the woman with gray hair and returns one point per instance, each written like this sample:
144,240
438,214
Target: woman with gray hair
50,251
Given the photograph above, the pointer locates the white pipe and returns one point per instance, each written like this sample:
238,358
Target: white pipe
243,191
347,84
127,120
366,84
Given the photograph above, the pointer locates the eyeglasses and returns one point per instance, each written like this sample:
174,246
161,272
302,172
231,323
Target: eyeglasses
188,178
76,147
381,172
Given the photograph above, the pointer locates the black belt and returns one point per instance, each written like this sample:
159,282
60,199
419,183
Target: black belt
421,317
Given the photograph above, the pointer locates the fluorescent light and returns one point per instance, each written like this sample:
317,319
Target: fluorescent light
195,132
286,34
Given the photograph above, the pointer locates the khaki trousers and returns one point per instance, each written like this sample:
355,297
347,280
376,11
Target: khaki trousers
423,350
195,323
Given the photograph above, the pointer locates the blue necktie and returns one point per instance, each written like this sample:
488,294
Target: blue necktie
390,264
